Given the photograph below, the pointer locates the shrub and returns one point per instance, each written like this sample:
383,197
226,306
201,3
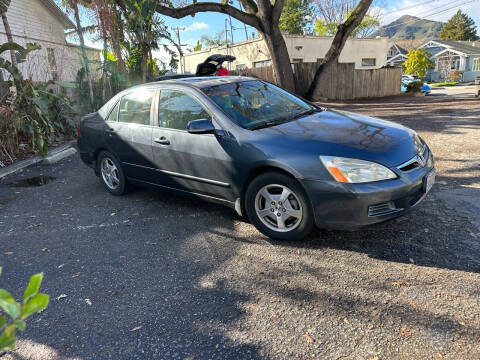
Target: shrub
455,75
414,87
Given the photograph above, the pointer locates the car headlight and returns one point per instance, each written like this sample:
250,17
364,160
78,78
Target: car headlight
356,171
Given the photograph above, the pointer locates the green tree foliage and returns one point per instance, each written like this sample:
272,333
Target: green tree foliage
366,28
14,314
218,39
295,16
459,27
198,46
417,63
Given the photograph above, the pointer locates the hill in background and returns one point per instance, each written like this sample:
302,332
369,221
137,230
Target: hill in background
411,27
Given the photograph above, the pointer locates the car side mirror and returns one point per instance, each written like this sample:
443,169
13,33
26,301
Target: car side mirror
201,126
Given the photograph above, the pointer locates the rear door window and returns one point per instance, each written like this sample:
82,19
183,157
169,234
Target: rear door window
114,113
135,107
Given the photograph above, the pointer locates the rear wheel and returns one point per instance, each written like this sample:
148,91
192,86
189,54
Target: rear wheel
278,206
111,173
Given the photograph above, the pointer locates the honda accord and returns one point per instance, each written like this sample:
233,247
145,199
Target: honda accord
281,161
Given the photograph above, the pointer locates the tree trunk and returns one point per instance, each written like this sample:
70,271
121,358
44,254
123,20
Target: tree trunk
343,32
143,63
118,52
8,32
116,37
84,52
104,68
280,58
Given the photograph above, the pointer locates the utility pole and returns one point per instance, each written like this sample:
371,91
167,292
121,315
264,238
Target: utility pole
244,25
177,31
231,28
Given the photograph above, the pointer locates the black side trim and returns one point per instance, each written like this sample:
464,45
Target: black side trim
229,203
185,176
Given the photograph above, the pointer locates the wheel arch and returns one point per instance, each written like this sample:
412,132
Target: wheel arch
261,169
97,152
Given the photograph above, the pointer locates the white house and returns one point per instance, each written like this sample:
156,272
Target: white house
368,53
44,23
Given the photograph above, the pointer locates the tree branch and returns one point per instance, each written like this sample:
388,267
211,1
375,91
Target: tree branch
195,8
343,32
277,9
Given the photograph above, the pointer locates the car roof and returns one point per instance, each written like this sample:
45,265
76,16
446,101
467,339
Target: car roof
203,81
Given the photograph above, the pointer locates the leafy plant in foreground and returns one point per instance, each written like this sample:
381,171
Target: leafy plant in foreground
14,314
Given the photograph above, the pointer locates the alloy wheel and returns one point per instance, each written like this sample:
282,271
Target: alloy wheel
278,208
110,174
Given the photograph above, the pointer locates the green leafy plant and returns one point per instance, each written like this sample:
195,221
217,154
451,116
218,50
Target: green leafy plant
44,116
418,63
414,87
14,314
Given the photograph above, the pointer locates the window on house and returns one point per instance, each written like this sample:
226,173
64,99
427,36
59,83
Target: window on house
52,63
369,62
455,64
476,64
263,63
296,60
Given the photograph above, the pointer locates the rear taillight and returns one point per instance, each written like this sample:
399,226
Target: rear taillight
79,133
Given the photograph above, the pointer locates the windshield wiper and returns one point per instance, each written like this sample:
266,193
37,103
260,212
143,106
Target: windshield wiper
306,113
277,122
265,125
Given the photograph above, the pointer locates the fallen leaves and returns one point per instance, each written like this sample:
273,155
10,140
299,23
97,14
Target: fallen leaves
309,339
136,328
89,302
75,275
412,304
8,253
406,332
62,296
45,249
399,283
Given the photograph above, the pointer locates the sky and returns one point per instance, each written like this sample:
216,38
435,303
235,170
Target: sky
193,28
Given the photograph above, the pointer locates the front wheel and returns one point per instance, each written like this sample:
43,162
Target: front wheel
278,206
111,173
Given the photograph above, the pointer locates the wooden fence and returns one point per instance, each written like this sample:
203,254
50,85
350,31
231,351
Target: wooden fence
342,82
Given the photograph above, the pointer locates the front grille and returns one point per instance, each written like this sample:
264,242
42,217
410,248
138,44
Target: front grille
414,163
382,209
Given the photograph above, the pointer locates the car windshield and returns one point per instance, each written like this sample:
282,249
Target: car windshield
254,104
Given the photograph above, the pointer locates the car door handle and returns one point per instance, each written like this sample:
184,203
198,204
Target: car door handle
163,140
110,131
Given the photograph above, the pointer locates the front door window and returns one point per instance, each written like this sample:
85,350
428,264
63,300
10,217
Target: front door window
176,109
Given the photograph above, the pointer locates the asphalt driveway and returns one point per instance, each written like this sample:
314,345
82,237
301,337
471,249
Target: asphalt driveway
152,275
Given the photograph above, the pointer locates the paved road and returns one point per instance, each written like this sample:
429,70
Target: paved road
156,276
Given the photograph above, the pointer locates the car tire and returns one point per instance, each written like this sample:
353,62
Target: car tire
111,173
279,207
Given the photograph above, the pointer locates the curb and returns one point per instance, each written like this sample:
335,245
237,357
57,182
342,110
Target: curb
54,155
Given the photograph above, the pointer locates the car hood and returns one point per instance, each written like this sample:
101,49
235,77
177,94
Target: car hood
345,134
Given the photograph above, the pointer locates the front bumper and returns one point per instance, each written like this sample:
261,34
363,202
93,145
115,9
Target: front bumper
350,206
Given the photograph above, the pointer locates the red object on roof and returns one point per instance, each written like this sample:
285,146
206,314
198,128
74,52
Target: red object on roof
223,72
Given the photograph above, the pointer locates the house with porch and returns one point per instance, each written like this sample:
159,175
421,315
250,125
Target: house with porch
462,56
396,54
44,23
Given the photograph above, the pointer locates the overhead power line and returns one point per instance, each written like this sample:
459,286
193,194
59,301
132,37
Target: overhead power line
436,12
